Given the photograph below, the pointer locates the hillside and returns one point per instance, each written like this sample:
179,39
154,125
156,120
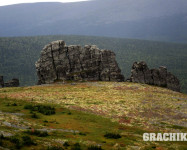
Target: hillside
19,54
116,118
113,18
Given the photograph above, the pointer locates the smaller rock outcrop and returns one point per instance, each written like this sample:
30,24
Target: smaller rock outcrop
140,73
1,82
12,83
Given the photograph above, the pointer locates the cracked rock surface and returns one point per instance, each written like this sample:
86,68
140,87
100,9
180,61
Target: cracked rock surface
140,73
61,62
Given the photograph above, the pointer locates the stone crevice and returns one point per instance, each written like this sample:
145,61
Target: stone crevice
82,69
53,62
67,55
144,75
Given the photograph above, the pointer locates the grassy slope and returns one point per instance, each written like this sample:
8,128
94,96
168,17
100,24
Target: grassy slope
18,55
94,108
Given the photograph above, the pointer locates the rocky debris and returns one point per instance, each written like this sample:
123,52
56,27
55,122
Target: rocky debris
8,113
12,83
140,73
61,130
8,124
61,62
5,134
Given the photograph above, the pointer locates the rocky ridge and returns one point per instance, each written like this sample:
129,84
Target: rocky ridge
140,73
61,62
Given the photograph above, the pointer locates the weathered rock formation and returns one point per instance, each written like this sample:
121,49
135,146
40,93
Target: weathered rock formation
61,62
140,73
12,83
1,82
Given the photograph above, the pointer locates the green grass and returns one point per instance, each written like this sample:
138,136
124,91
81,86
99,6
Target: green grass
177,127
46,110
91,127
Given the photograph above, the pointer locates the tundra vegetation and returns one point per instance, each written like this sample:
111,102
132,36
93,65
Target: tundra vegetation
90,116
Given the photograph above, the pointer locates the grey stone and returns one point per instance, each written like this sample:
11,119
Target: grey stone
1,82
140,73
8,124
5,134
12,83
61,62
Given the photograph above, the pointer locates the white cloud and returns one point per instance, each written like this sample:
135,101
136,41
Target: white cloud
10,2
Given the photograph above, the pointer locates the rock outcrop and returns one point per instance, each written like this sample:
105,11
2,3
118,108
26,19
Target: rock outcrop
61,62
140,73
12,83
1,82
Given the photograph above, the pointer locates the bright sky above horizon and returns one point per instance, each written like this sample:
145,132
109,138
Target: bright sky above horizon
10,2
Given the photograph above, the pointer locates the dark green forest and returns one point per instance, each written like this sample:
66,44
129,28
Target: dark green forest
19,54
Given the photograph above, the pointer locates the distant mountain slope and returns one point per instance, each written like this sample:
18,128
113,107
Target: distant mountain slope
154,20
18,55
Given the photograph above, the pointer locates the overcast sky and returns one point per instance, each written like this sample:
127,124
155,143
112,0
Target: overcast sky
10,2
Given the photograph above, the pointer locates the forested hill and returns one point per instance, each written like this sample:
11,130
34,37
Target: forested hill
19,54
163,20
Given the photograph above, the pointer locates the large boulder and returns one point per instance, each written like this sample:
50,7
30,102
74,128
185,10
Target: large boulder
140,73
61,62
